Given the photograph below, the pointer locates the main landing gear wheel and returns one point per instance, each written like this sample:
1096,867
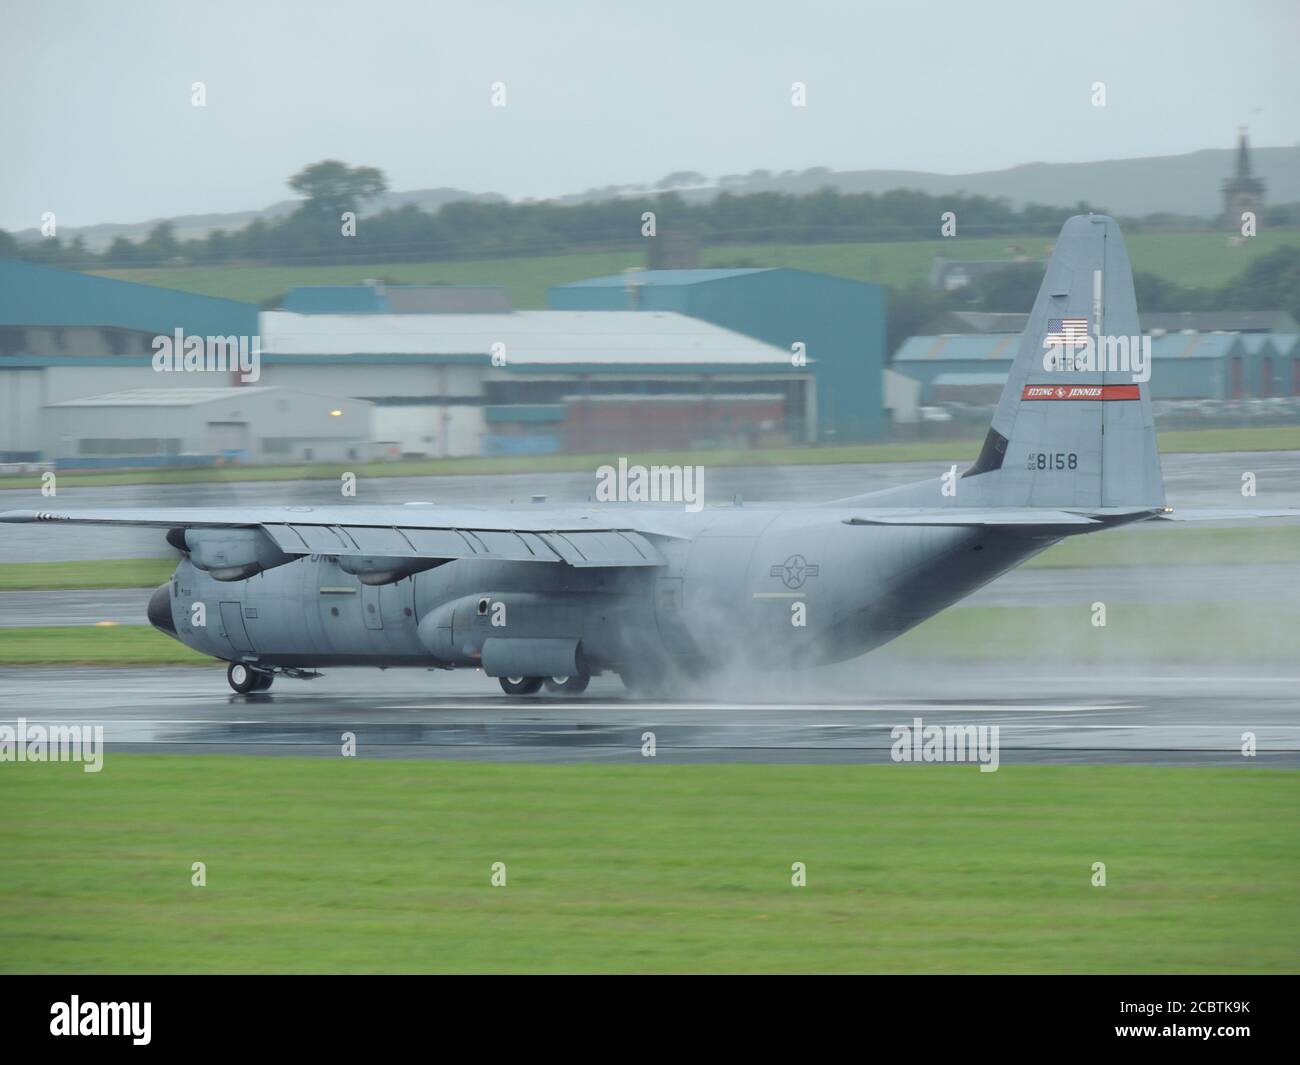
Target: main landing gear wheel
572,685
242,679
264,681
521,685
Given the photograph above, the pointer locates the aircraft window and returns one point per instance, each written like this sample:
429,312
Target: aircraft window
483,603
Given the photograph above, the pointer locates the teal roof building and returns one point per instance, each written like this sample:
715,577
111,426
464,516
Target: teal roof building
839,322
1219,366
46,297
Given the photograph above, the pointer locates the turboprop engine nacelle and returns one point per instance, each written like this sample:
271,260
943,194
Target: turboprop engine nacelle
375,569
233,554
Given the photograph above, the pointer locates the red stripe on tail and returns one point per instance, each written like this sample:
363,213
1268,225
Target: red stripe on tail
1080,392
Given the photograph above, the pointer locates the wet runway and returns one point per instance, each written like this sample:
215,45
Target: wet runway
842,715
1045,712
1190,480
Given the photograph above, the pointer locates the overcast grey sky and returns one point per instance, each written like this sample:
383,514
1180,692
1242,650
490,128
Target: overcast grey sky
97,123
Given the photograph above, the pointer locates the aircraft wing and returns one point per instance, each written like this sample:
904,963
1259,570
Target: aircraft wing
419,516
403,532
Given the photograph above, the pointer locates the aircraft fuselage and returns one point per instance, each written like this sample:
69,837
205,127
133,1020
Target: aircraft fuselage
745,586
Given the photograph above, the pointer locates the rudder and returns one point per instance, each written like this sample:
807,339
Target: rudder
1075,437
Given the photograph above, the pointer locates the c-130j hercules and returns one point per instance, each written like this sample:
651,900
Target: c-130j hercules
658,595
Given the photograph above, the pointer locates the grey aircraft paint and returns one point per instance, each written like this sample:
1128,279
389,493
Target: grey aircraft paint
656,593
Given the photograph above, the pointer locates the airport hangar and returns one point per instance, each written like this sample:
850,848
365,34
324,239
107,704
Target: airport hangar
175,426
1187,364
423,356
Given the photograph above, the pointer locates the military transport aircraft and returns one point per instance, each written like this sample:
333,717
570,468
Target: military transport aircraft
548,595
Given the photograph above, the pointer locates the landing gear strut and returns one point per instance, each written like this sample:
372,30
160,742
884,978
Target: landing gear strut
244,679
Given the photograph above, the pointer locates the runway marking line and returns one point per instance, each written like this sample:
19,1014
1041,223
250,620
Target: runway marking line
878,708
524,729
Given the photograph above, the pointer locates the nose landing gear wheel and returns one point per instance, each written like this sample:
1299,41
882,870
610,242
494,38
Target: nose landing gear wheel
572,685
521,685
244,680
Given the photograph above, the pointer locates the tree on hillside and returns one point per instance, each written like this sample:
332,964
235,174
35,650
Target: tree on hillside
121,252
161,244
907,310
679,178
332,187
1270,282
1011,289
1156,294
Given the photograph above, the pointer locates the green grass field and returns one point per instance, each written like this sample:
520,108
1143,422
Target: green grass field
1208,441
86,573
94,645
334,865
1201,259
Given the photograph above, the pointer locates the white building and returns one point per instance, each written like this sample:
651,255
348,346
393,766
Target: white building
252,424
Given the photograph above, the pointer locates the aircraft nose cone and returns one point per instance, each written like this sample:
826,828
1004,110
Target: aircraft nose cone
160,610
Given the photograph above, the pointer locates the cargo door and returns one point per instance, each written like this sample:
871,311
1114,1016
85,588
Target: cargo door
232,620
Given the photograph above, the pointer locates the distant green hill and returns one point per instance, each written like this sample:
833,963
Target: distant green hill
1176,184
1185,184
1198,258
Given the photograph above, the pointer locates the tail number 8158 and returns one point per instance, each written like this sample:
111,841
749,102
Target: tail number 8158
1053,460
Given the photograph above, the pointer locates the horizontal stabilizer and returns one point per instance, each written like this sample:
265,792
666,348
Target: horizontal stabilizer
1232,514
1084,519
998,516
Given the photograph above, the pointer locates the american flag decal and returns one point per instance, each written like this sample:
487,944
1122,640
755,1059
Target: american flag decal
1066,331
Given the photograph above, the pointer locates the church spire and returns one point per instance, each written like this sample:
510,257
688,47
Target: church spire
1243,154
1243,191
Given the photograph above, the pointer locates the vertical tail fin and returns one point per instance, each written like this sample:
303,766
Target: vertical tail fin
1078,433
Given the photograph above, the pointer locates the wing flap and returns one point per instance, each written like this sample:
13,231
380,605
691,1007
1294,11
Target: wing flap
436,543
604,548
